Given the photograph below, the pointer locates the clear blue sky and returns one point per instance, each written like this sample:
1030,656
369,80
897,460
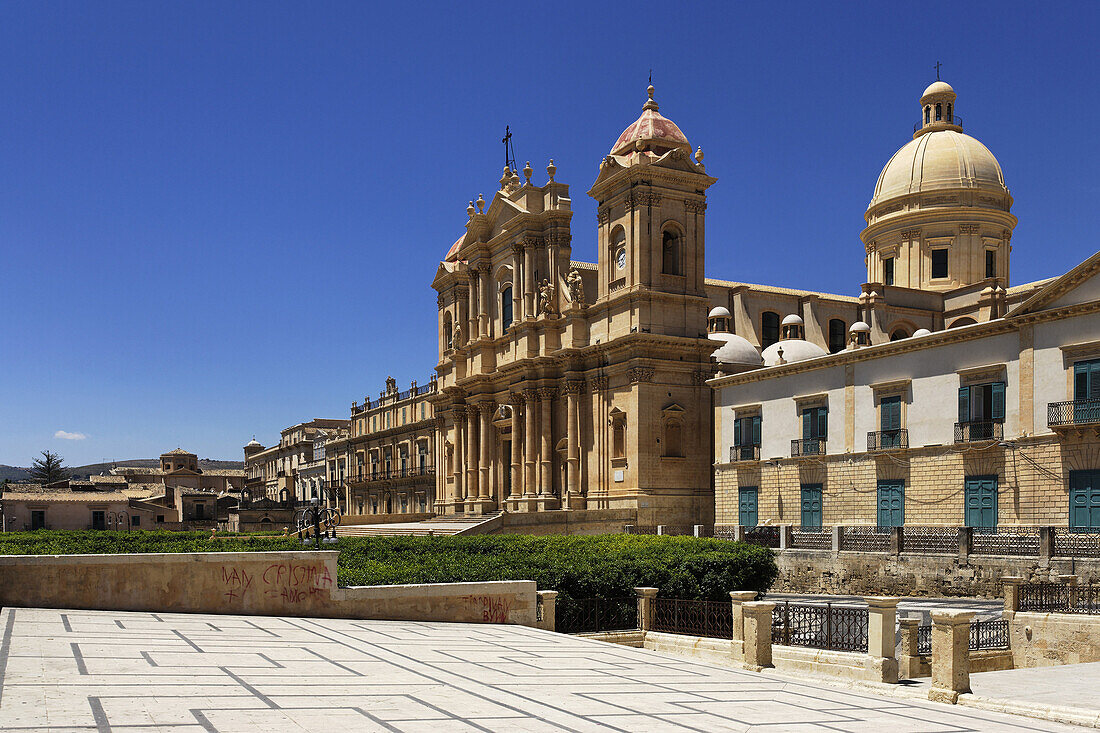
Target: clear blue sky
219,219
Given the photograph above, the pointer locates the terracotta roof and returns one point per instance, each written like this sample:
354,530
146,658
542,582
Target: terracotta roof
107,479
780,291
178,452
63,495
130,470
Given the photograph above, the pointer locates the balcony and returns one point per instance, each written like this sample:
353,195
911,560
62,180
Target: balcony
392,474
808,447
952,120
888,440
1074,413
977,431
744,453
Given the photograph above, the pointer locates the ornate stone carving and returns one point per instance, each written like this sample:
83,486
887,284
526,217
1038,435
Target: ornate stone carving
458,411
546,297
603,216
598,383
546,394
640,374
487,407
910,234
695,207
576,286
439,300
559,239
970,228
530,396
1007,235
870,247
573,387
456,335
530,240
517,248
647,198
515,399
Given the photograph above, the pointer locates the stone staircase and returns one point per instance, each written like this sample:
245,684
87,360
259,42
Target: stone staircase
437,526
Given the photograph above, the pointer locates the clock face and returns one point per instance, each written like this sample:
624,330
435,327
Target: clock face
620,259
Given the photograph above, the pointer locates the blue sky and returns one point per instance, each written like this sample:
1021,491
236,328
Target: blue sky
219,219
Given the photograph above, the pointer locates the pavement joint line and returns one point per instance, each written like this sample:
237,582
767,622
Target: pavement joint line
65,623
259,695
203,720
5,647
81,668
194,646
99,715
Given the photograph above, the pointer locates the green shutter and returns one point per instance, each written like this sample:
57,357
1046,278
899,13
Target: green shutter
998,401
807,424
823,423
756,430
964,404
891,413
737,432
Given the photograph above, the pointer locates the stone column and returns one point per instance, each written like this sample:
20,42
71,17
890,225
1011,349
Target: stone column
950,655
1012,585
549,600
487,409
909,659
552,266
516,401
546,457
530,450
573,432
471,453
459,414
528,281
519,307
471,308
881,618
737,599
757,621
462,314
486,280
646,596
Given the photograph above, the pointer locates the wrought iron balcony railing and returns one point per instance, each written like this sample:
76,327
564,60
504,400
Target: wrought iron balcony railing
391,474
975,431
744,453
808,447
888,439
1074,412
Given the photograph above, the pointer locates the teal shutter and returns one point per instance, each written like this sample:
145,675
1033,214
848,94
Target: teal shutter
823,423
964,404
811,505
998,411
756,430
891,413
737,432
807,424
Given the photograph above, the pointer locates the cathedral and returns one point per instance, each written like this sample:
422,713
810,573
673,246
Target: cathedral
566,384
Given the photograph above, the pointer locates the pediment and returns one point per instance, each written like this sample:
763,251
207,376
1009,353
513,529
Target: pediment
1078,286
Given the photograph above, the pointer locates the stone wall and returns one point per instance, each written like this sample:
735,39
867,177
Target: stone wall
248,583
911,574
1047,639
590,521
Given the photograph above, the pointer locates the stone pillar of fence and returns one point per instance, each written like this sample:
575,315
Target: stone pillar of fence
909,658
1012,585
549,601
646,596
838,534
737,599
662,529
757,623
964,545
950,655
628,529
1071,581
882,612
738,533
1046,546
785,537
698,530
896,540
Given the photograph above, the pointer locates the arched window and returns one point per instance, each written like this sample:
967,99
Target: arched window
949,112
670,254
448,333
618,434
769,328
927,115
673,439
616,254
898,334
506,308
838,330
939,112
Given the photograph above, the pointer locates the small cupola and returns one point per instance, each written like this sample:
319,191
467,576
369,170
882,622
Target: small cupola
718,320
859,335
937,106
792,328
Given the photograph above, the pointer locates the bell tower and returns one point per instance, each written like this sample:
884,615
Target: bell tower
651,194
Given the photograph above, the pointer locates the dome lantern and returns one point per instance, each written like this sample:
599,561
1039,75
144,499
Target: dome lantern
937,109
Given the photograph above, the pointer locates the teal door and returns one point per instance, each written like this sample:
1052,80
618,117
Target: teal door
891,503
890,416
746,506
811,505
1084,500
1086,391
981,501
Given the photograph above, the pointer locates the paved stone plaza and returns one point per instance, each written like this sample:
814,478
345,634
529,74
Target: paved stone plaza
116,671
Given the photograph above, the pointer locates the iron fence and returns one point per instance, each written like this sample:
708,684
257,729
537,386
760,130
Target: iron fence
811,538
888,439
990,634
865,539
1020,541
1060,598
808,447
744,453
931,540
725,532
924,640
976,431
766,536
640,529
1074,412
694,618
579,615
836,628
1076,543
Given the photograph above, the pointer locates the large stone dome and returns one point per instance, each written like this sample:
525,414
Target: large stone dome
939,160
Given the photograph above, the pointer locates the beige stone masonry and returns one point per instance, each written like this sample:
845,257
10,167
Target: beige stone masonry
758,634
950,655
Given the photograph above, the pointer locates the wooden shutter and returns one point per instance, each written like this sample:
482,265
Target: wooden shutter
964,404
807,424
891,413
737,432
756,430
998,411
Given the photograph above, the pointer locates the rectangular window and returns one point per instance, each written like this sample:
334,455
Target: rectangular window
888,271
891,503
990,263
160,518
746,437
135,521
747,515
811,505
99,520
38,519
1084,500
939,263
982,403
890,421
815,423
981,502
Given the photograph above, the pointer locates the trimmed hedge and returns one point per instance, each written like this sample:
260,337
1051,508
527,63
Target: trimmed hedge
605,566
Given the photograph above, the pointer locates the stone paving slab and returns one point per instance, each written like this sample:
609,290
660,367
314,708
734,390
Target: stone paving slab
116,671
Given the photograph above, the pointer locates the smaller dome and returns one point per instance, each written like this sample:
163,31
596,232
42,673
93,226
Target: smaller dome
452,253
859,327
793,350
936,89
651,131
735,350
253,444
719,312
792,320
921,332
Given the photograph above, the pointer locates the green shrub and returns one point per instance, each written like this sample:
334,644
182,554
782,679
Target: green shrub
605,566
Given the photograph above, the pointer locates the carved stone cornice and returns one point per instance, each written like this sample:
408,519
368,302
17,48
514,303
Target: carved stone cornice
559,239
459,411
1007,235
700,376
487,407
603,216
515,399
573,387
640,374
440,422
546,394
910,234
530,396
970,228
461,291
695,206
870,246
530,240
598,383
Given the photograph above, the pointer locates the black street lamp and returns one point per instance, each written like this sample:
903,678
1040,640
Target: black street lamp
314,516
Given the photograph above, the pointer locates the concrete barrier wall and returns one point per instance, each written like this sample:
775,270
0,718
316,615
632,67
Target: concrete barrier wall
249,583
1046,639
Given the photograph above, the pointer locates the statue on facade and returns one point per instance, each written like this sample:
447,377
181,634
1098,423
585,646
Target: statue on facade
546,297
456,336
576,286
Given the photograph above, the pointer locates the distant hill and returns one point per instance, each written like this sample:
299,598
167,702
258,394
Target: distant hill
16,473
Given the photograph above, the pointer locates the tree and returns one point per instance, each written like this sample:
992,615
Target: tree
49,468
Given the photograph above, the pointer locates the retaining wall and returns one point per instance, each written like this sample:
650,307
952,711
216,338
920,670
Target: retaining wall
249,583
1046,639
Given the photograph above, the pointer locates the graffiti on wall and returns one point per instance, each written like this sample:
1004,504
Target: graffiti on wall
494,609
290,581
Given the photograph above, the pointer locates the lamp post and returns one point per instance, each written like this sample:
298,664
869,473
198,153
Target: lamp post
118,519
314,515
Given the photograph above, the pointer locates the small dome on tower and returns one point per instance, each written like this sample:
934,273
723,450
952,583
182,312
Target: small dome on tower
936,89
651,131
793,320
719,312
859,327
